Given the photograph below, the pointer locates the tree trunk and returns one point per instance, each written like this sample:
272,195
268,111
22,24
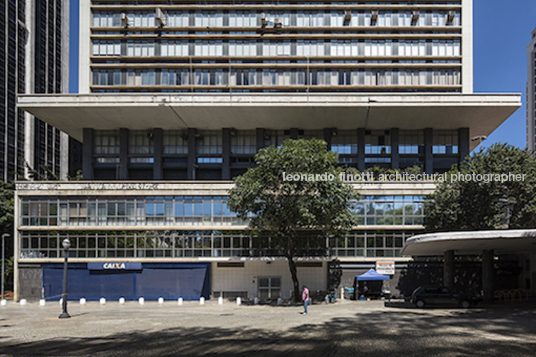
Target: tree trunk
294,275
289,252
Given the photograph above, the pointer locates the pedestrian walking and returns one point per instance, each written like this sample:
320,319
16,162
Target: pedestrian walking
305,298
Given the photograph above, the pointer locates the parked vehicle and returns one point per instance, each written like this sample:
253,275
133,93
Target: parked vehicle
441,296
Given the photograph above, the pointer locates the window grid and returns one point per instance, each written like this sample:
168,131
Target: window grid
445,142
302,19
200,243
191,211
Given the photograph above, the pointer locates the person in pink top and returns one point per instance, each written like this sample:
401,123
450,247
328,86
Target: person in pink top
305,298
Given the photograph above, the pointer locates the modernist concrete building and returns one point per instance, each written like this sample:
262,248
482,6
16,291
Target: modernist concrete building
34,53
531,93
177,96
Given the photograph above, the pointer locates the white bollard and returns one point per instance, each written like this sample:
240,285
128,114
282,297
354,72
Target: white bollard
122,301
82,301
256,301
3,303
42,302
141,301
179,301
239,301
279,301
201,301
220,300
23,302
160,300
102,301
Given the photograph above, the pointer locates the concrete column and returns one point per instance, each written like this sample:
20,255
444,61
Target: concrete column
448,269
64,156
260,138
428,154
294,133
327,136
463,143
87,155
158,142
361,149
226,154
191,153
395,161
123,154
16,249
488,275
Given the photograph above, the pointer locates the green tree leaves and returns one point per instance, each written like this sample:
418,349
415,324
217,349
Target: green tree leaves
282,208
477,204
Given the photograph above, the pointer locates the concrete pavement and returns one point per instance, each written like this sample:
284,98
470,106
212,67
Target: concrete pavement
346,328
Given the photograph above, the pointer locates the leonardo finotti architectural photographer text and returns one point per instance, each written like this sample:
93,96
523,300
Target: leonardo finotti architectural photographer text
368,176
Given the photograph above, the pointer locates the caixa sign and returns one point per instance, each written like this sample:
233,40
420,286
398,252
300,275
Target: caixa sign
114,266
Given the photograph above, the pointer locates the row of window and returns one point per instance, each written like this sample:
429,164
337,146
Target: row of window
390,210
191,210
279,48
258,19
275,77
244,141
179,244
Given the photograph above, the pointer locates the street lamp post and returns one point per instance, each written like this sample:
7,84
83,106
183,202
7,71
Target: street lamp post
66,245
3,259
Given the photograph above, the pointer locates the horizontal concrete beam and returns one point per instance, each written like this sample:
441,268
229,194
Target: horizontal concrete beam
481,113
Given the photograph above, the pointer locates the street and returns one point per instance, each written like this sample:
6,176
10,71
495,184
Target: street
346,328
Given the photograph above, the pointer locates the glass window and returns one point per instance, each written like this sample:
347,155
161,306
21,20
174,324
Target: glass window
106,142
411,142
377,142
243,142
445,142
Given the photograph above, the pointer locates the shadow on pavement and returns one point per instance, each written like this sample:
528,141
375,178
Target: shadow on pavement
475,332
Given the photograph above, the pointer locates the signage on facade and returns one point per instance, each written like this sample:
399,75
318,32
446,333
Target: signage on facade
114,266
385,268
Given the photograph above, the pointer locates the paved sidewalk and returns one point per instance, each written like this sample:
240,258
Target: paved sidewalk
346,328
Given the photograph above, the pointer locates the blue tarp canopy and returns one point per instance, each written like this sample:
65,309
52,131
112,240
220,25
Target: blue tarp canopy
372,275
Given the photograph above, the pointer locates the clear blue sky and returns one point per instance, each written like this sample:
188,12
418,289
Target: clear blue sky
502,31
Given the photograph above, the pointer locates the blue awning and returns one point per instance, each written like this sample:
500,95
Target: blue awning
372,275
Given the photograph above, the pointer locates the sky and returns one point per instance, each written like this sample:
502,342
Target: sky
502,30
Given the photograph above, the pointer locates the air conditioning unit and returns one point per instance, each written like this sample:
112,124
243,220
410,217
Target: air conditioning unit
450,16
415,16
374,16
159,16
347,17
124,19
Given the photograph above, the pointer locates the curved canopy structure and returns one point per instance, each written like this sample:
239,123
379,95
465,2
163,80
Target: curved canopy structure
472,242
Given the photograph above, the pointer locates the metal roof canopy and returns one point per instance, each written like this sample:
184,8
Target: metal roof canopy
471,242
372,275
481,113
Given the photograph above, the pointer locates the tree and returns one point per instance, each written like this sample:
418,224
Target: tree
284,199
486,200
7,208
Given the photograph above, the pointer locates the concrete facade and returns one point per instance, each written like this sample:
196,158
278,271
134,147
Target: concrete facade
176,99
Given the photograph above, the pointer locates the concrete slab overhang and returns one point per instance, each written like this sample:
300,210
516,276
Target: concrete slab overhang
468,243
481,113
